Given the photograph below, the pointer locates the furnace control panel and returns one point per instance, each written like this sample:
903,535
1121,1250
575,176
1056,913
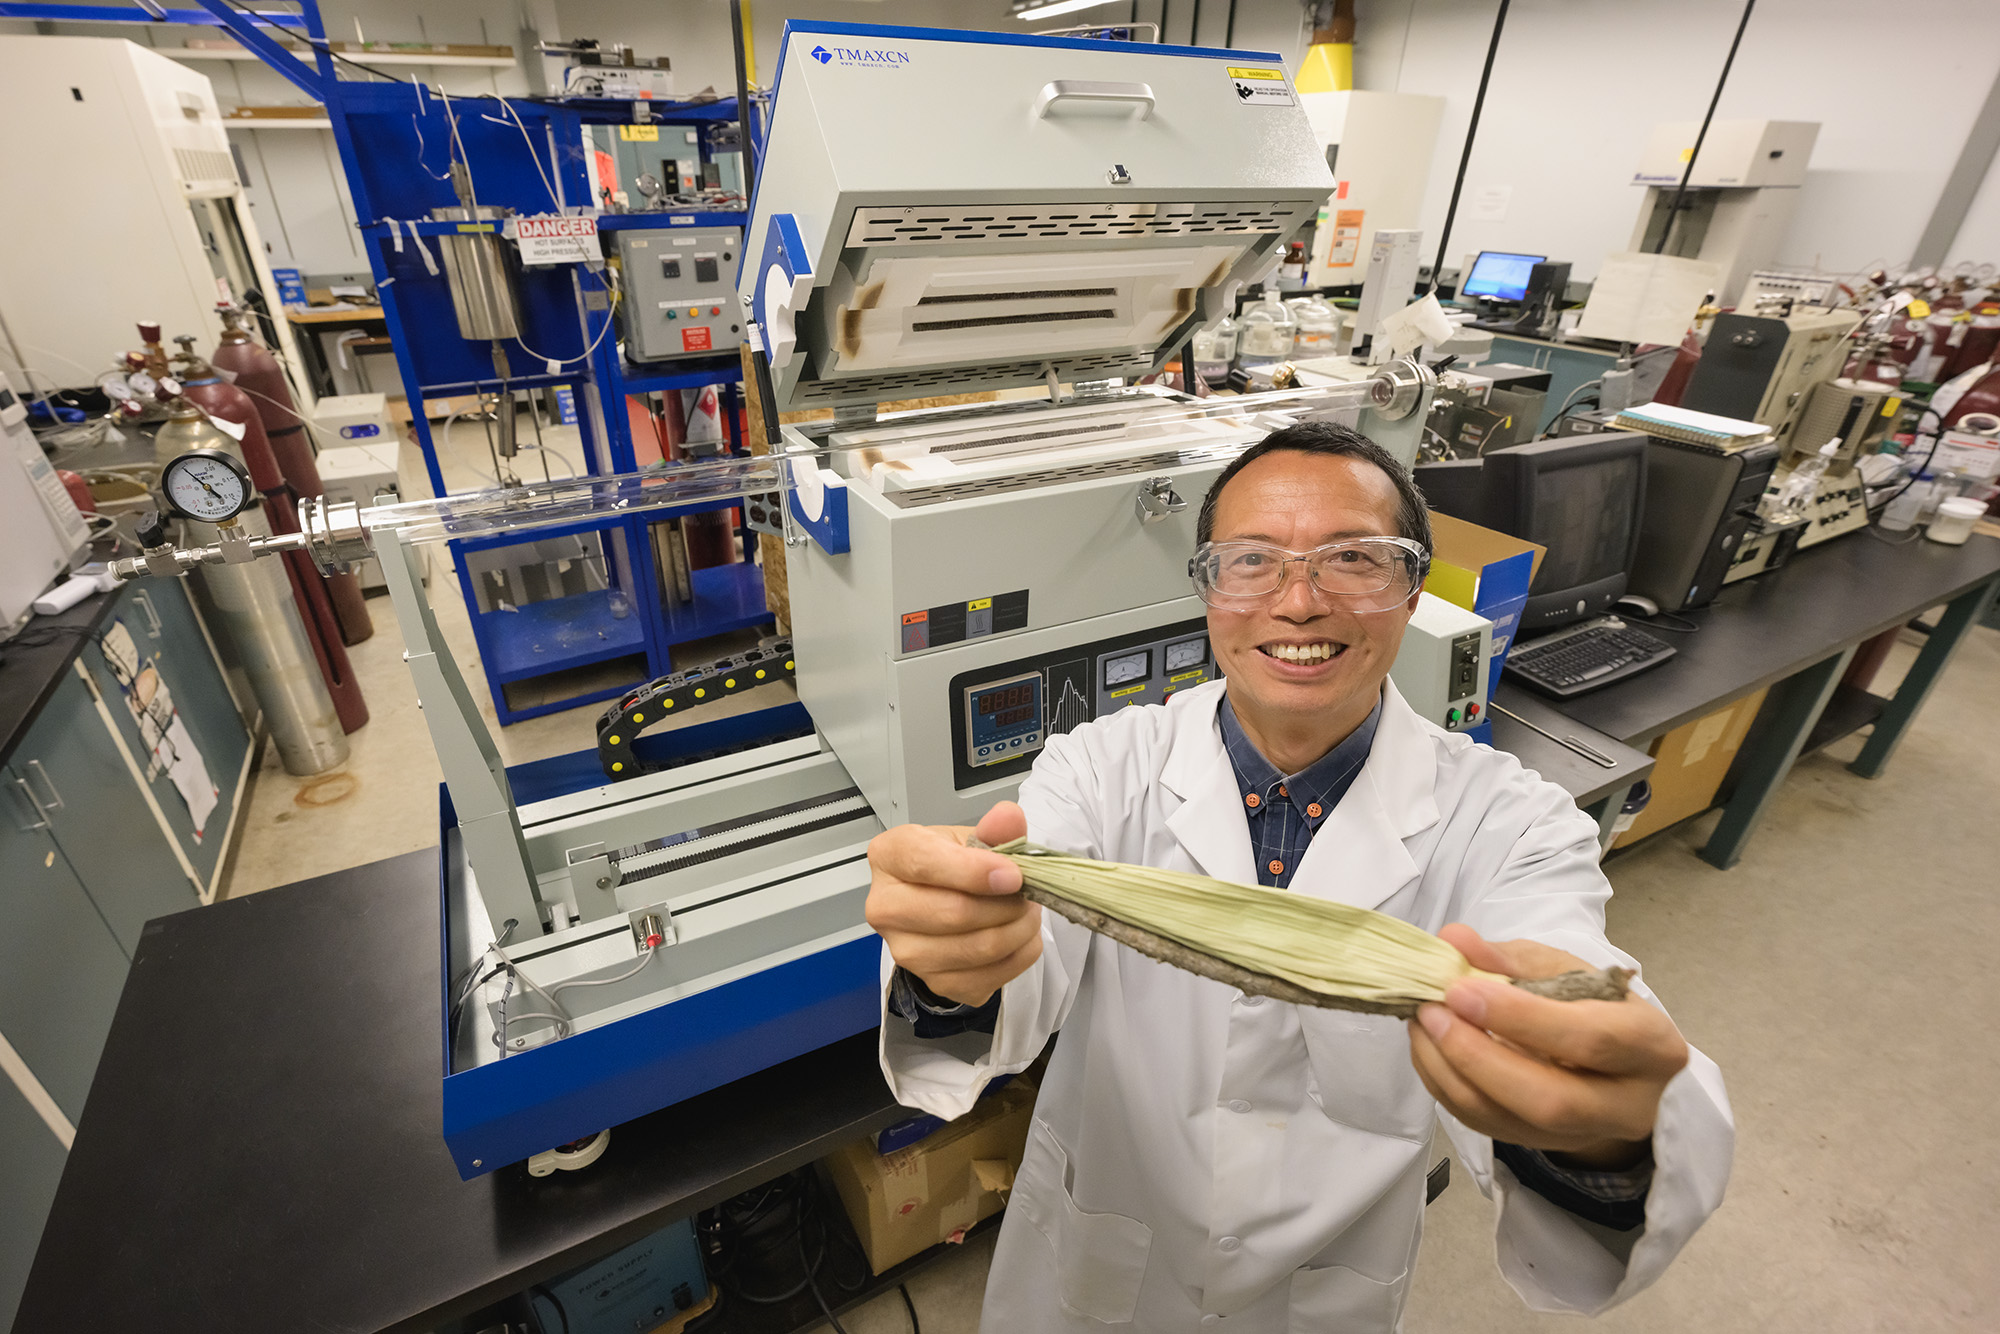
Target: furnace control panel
1002,715
680,291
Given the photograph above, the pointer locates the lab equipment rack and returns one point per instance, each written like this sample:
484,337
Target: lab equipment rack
396,140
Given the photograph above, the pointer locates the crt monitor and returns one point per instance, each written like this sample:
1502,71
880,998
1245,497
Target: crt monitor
1581,497
1500,275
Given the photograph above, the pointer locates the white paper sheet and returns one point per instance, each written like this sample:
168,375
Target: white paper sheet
168,745
1646,298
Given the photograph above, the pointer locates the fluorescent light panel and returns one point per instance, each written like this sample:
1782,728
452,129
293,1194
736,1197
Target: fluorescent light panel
1049,11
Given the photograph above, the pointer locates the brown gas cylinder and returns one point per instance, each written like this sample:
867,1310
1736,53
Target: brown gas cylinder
223,401
258,373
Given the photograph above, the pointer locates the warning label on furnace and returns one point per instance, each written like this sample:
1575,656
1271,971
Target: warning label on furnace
955,622
695,338
1258,86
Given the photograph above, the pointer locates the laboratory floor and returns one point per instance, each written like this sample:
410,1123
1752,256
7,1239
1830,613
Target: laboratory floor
1840,975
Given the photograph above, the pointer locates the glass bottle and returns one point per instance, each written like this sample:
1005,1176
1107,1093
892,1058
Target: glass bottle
1214,349
1268,330
1319,324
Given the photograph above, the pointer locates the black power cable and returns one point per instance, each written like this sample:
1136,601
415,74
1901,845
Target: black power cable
746,113
1694,154
1465,154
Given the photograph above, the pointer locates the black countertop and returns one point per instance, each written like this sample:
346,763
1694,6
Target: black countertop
262,1148
1764,629
33,662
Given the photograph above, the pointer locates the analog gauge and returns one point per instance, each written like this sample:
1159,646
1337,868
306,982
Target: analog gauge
1187,653
141,384
206,484
114,386
1128,667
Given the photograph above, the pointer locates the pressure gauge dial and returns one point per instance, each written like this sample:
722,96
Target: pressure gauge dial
206,484
141,384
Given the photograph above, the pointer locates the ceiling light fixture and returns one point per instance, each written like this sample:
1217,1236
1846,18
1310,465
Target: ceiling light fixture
1030,13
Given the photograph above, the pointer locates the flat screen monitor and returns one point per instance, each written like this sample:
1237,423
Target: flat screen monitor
1581,497
1500,275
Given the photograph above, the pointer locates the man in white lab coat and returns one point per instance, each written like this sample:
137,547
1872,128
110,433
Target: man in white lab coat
1205,1160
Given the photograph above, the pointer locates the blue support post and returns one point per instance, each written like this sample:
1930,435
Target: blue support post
246,30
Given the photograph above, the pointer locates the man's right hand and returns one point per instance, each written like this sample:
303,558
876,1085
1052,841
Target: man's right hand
953,916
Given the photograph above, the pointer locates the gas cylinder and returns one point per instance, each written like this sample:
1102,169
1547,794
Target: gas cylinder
258,374
223,401
1977,340
257,615
1976,390
1674,383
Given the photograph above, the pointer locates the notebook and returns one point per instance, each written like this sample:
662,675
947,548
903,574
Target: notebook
1692,428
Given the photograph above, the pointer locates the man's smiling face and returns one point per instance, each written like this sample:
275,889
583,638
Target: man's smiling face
1304,660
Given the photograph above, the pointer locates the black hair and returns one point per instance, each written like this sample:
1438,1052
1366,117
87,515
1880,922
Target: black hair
1413,516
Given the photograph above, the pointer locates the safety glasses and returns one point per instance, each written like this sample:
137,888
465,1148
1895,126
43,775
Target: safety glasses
1365,573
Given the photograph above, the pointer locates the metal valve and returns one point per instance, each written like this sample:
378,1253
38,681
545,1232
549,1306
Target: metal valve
1157,499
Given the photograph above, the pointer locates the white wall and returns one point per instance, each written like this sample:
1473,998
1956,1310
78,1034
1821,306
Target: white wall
1579,84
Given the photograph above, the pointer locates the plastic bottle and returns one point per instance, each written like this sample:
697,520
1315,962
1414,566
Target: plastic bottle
1796,496
1318,323
1900,515
1214,349
1268,332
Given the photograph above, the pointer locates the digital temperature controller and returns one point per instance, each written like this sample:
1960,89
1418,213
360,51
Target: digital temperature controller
1003,719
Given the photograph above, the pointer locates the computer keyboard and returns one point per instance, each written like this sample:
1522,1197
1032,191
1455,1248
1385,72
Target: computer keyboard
1589,657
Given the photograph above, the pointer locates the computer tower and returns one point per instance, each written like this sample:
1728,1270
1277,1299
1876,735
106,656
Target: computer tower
1542,306
1699,504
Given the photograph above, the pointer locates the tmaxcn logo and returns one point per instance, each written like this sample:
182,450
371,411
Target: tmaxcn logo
850,55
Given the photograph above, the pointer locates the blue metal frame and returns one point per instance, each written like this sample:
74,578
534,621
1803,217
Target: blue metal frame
393,141
507,1110
389,137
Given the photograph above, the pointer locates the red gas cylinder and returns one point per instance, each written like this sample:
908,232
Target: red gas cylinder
79,491
224,402
258,374
1674,383
1977,390
1977,339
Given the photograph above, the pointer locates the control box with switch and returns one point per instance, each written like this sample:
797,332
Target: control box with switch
680,298
1441,668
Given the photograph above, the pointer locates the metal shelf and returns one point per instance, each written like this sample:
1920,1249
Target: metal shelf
276,123
558,634
726,597
365,57
691,374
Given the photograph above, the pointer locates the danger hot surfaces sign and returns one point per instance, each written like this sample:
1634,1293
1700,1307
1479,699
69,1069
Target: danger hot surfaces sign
557,239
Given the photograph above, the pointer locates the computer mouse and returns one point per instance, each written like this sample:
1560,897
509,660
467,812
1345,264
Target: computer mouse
1637,604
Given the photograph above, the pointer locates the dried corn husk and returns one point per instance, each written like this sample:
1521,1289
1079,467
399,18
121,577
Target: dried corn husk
1292,947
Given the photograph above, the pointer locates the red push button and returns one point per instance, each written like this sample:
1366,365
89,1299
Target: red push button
1472,710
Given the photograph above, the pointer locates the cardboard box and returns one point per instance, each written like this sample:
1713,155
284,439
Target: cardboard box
914,1198
1689,764
1484,572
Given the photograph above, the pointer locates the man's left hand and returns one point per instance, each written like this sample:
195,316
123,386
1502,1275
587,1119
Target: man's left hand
1581,1079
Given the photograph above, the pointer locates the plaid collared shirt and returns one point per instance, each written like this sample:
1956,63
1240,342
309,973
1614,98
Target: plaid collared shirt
1284,810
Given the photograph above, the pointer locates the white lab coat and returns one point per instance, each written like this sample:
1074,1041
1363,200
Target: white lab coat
1203,1160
